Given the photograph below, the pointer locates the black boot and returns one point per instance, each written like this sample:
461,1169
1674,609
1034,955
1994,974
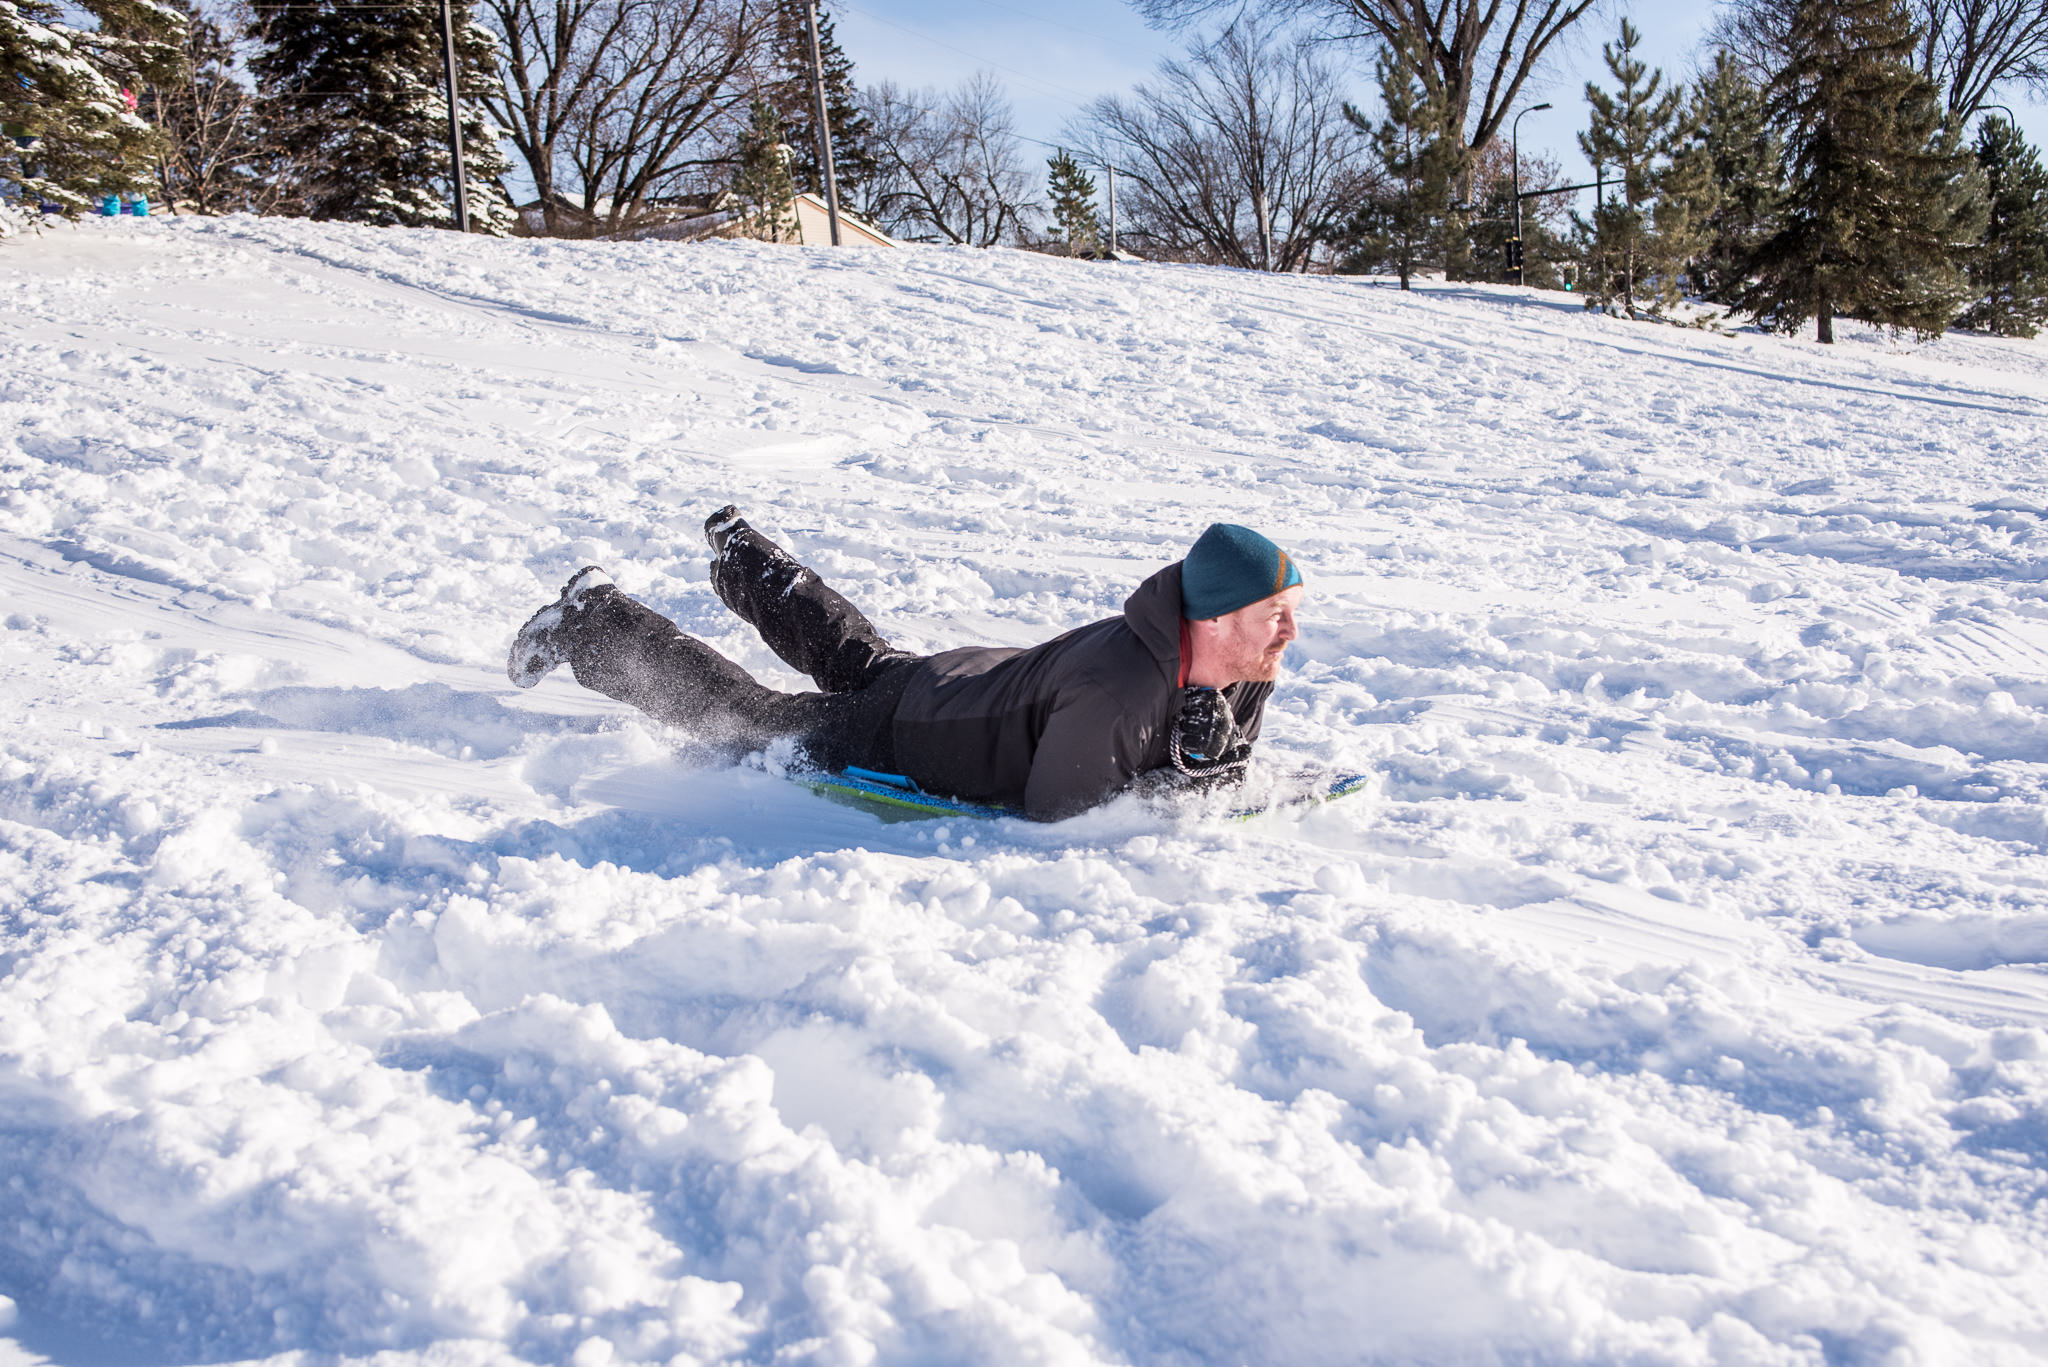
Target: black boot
719,527
538,647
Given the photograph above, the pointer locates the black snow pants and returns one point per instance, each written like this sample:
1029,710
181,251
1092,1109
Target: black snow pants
628,651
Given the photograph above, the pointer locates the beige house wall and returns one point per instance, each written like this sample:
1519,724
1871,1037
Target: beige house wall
814,228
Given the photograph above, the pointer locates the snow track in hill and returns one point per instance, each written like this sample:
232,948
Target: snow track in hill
1678,994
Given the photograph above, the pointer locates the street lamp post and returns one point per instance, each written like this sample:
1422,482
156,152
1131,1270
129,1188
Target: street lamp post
1515,137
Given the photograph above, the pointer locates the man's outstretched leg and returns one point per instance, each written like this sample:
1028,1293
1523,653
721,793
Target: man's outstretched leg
808,624
628,651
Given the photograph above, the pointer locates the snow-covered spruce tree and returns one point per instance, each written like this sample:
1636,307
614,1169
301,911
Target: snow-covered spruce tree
2009,270
761,182
1881,199
788,91
68,97
1070,192
1743,154
1648,225
1401,223
137,42
354,94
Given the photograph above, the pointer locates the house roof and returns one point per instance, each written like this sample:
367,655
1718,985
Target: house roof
813,226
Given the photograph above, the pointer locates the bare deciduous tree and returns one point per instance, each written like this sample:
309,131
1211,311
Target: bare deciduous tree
1455,45
948,167
1238,154
1973,46
611,103
214,155
1967,48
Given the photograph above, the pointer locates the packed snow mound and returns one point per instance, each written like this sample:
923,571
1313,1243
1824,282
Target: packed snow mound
1675,995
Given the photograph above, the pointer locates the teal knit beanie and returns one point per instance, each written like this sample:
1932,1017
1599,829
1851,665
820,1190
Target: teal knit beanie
1231,567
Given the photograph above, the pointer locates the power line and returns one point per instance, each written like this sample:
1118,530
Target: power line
1078,99
1036,142
940,42
1050,23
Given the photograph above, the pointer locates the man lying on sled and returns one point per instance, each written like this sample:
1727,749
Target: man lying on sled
1177,683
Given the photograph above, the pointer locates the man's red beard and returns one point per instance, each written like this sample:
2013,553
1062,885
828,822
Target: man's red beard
1266,668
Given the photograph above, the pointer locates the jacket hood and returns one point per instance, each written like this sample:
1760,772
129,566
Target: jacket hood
1153,614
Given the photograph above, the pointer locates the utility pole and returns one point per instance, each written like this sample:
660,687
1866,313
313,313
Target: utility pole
1112,211
1602,280
824,122
454,120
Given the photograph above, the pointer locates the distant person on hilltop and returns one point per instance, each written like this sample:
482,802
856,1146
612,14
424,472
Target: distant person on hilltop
1177,683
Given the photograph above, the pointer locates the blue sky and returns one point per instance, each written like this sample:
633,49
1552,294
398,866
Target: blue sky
1055,55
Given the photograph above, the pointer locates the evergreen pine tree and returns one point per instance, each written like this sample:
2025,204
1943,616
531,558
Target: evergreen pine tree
762,183
1880,198
790,95
69,130
2009,271
1072,192
1402,224
1645,229
1688,196
1743,154
355,94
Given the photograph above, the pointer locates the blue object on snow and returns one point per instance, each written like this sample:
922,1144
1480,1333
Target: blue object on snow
903,781
139,206
894,796
110,206
897,797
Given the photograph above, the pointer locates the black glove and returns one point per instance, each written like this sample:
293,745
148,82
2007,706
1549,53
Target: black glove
1205,739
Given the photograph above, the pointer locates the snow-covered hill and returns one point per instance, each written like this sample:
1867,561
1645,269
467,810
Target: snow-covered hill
1676,995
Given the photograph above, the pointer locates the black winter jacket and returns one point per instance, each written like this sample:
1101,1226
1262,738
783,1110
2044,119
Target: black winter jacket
1060,727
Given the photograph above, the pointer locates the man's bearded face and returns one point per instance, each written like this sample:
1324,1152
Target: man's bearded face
1250,641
